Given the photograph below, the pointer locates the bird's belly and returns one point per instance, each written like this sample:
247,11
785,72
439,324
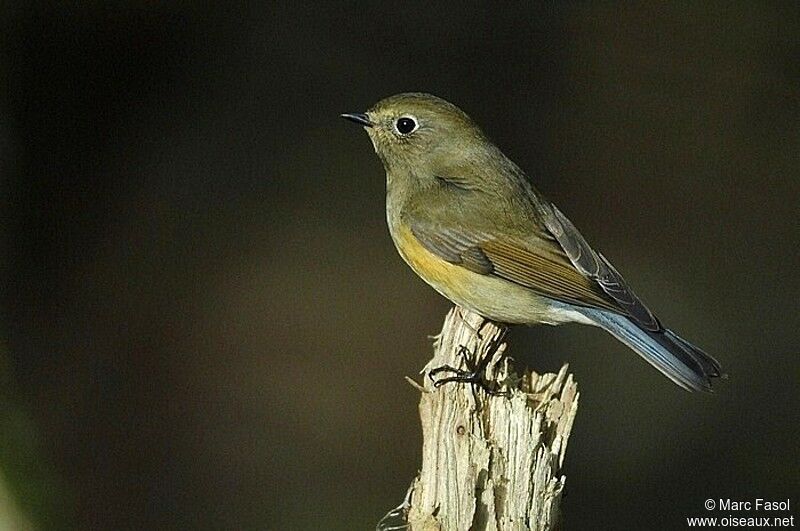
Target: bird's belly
487,295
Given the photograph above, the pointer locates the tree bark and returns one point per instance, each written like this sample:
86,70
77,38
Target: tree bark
489,461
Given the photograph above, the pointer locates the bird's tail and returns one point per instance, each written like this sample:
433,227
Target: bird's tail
679,360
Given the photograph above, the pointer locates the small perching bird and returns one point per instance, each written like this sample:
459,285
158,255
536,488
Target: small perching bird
470,223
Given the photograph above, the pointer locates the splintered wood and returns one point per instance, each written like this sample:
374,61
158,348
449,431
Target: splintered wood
489,461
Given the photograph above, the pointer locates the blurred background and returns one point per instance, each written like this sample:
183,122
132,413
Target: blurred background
205,324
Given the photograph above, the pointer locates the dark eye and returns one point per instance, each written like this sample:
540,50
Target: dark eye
406,125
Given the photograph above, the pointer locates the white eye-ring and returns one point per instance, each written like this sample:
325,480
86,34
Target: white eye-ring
406,124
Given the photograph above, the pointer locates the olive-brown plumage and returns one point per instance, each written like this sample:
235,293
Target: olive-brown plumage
470,223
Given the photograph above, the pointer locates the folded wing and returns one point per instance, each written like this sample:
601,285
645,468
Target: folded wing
554,260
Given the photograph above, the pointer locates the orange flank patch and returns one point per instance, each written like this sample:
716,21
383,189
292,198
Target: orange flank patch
452,280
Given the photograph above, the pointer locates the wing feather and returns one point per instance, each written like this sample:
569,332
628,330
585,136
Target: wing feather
514,260
595,266
549,257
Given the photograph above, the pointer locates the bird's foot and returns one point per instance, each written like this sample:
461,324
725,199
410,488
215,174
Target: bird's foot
474,376
462,376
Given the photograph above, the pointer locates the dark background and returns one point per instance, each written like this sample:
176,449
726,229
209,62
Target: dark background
206,326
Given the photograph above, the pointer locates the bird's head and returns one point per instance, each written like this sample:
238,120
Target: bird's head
419,132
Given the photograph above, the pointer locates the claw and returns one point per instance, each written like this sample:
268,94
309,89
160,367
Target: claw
476,367
474,376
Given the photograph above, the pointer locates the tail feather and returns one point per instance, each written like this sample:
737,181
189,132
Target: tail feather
680,361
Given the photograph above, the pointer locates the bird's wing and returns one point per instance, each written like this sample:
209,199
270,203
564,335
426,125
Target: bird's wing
595,266
514,259
554,260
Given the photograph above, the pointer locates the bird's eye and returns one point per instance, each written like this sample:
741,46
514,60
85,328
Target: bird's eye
406,125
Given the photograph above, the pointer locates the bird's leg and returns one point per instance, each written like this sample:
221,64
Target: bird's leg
476,374
462,350
464,320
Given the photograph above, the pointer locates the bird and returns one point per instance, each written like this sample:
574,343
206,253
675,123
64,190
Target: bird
471,224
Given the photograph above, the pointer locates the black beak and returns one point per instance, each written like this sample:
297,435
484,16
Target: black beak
357,117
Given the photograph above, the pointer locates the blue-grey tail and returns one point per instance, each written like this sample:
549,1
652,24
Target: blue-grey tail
679,360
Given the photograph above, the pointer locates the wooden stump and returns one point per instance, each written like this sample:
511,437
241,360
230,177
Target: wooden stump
489,462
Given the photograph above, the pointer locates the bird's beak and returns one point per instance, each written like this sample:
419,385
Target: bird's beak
359,118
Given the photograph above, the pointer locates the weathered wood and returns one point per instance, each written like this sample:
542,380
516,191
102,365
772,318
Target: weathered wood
489,462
